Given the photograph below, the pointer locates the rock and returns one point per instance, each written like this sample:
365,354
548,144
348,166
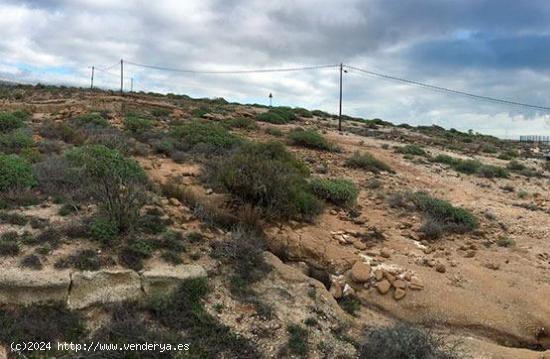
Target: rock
399,294
492,265
359,245
166,278
106,286
383,286
470,254
390,277
301,266
440,267
385,253
378,274
360,272
399,284
336,290
24,287
348,290
174,202
416,284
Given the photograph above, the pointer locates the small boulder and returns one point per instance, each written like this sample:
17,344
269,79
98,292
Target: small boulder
360,272
336,290
399,294
440,267
383,286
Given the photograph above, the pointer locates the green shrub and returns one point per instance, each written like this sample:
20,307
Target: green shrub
244,123
508,155
136,124
117,183
160,112
267,176
298,340
10,121
489,171
451,218
515,166
489,149
448,160
183,310
244,252
468,166
473,167
404,341
309,139
16,140
15,173
274,132
302,112
350,304
86,259
367,162
413,150
506,242
278,115
200,112
339,191
90,120
103,229
212,135
48,323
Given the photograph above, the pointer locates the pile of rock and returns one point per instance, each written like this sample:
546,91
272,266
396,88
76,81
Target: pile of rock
382,278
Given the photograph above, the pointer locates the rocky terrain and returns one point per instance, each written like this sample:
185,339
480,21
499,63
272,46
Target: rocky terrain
310,238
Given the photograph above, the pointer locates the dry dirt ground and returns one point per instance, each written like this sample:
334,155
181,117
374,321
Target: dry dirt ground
495,300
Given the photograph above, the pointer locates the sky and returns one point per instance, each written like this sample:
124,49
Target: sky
497,48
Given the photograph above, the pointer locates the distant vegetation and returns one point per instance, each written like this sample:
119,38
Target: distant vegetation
473,167
310,139
367,162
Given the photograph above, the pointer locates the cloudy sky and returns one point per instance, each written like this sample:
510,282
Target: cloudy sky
498,48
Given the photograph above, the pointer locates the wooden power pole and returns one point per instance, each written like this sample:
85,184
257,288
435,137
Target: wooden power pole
92,80
340,110
121,76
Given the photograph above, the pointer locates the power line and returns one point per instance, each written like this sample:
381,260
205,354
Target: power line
448,90
248,71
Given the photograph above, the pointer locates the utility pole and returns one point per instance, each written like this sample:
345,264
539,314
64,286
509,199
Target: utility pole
92,82
121,76
131,84
270,98
340,110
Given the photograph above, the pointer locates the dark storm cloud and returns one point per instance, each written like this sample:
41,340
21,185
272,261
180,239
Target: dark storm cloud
494,47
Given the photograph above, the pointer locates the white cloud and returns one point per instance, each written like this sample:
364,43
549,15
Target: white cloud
383,35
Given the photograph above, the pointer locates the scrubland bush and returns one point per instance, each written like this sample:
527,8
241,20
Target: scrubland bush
473,167
91,120
243,250
137,124
413,150
309,139
15,173
62,131
339,191
278,115
11,121
116,182
508,155
203,136
404,341
274,132
452,219
302,112
267,176
367,162
244,123
15,141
